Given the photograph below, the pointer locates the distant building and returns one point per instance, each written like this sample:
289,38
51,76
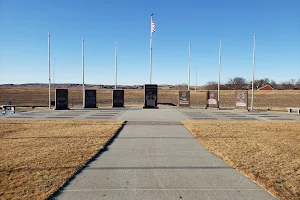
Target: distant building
266,87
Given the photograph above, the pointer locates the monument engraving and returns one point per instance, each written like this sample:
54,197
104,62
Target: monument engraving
241,100
90,99
212,100
118,98
184,99
150,100
61,99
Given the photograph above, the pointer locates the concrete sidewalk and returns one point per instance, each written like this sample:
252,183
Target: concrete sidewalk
159,162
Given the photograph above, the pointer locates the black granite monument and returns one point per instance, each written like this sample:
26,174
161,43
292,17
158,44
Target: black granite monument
150,100
61,99
118,98
90,99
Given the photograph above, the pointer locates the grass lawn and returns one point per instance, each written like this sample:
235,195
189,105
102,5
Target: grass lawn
267,152
37,157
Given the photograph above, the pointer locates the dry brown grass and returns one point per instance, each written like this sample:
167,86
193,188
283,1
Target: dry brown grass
267,152
34,96
37,157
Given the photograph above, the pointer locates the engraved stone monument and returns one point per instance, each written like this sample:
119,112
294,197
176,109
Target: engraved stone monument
90,99
184,99
212,100
118,98
150,100
61,99
241,100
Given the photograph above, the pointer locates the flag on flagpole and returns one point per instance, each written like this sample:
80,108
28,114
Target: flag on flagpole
152,26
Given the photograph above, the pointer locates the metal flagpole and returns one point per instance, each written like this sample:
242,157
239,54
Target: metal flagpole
151,48
53,74
83,90
253,66
49,70
219,71
196,81
189,68
116,65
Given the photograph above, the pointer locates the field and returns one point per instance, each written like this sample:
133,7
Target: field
41,155
267,152
33,96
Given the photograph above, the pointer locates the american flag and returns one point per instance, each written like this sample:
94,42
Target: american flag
152,27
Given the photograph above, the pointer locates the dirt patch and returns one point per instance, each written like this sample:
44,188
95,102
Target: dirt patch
37,157
267,152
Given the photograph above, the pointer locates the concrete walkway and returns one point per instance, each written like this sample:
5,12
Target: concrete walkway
159,162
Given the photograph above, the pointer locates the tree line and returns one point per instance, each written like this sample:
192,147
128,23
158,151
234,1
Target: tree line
239,83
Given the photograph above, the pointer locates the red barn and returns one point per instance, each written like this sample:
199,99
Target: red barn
266,87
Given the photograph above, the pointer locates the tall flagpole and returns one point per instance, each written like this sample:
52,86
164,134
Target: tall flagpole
116,66
219,72
151,48
53,82
83,90
196,81
189,68
49,70
253,66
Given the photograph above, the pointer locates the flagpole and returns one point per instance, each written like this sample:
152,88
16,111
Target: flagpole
189,68
196,81
116,65
83,90
49,70
219,71
53,74
253,66
151,48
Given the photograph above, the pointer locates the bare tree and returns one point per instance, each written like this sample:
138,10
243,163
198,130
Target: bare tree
237,83
211,85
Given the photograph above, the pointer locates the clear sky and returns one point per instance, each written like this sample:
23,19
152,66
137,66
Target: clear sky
24,27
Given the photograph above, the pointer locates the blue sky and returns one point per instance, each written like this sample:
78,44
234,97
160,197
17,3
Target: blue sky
24,26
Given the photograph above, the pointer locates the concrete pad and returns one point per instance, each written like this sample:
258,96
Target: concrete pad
161,178
148,194
161,114
155,131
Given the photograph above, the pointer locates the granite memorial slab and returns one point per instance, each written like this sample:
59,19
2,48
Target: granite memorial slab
61,99
212,100
150,95
184,99
118,98
241,100
90,99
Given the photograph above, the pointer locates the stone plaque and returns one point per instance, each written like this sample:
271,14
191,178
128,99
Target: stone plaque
212,100
150,96
61,99
241,100
118,98
90,99
184,99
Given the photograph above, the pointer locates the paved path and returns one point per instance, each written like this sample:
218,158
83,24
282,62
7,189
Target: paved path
161,114
159,162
